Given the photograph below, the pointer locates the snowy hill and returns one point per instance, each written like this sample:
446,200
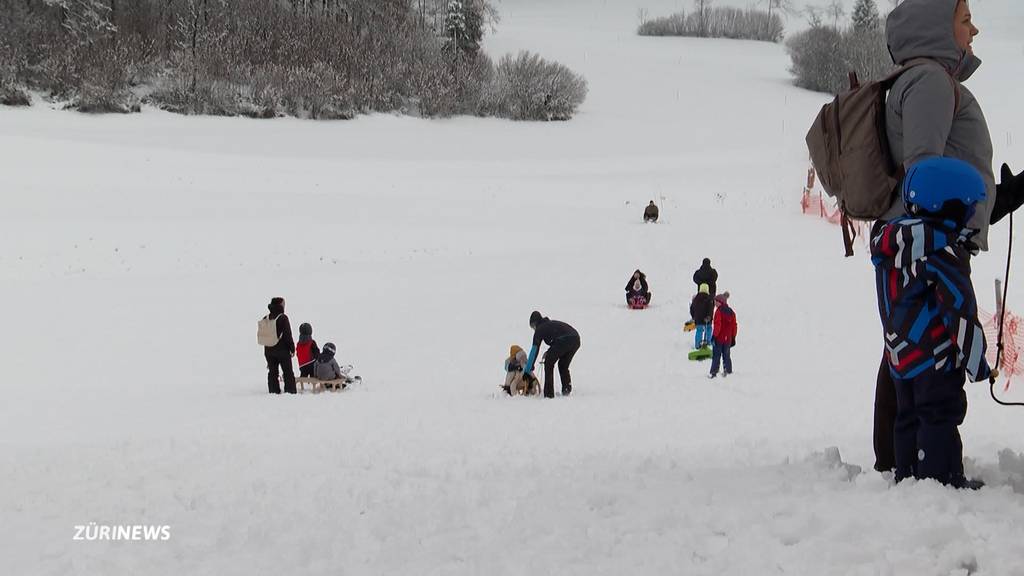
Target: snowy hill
141,250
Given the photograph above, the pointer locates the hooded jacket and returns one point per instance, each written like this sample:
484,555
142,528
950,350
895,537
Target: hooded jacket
631,289
920,116
706,275
925,298
725,327
326,366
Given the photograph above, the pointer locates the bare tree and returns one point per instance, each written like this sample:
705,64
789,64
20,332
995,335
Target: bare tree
836,10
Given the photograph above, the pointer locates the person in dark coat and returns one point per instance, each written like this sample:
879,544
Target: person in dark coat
706,275
563,342
279,356
702,312
651,212
637,286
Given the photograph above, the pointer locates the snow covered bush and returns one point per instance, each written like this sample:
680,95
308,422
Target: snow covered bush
267,58
822,57
527,87
718,22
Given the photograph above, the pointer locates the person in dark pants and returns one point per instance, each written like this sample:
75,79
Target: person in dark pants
637,287
707,275
279,356
563,342
651,212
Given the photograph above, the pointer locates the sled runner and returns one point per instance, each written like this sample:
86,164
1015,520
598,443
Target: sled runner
317,385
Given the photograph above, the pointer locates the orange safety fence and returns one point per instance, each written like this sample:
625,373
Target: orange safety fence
813,203
1011,343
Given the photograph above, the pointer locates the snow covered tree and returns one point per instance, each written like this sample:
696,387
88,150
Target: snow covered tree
836,11
703,16
865,16
84,19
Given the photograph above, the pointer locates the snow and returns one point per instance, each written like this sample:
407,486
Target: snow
140,251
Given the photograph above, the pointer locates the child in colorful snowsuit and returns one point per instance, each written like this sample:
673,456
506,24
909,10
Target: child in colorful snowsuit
702,312
306,351
933,340
724,336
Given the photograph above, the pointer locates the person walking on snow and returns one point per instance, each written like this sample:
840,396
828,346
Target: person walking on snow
929,112
279,356
702,312
563,342
724,337
706,275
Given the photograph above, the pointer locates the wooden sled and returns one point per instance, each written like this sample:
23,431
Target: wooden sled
317,385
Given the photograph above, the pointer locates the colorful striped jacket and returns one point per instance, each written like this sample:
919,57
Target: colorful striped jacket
926,299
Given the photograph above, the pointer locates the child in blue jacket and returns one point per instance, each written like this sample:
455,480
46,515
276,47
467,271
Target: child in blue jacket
933,340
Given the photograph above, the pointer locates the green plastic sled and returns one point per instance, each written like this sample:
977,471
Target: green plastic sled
701,354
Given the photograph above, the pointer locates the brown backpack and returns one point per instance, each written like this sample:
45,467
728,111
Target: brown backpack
849,148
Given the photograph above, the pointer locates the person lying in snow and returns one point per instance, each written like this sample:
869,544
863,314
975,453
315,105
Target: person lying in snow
517,382
638,294
933,340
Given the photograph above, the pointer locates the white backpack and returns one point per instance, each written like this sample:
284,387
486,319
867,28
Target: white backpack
266,332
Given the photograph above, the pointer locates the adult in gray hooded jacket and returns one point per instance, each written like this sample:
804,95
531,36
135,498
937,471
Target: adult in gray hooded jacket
930,113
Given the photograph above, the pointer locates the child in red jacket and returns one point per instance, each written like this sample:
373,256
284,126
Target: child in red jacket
724,336
306,351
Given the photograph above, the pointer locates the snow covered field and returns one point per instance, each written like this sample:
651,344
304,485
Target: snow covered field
139,251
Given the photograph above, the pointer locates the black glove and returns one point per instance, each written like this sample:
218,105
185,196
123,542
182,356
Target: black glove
1009,194
733,345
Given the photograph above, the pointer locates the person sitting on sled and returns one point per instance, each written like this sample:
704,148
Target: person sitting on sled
638,294
702,312
932,337
327,367
518,383
651,212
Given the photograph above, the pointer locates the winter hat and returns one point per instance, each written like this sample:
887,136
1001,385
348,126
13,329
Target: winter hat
704,289
514,351
722,298
707,262
535,319
305,332
276,306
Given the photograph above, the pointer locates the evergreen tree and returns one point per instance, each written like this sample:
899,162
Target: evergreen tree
464,26
865,16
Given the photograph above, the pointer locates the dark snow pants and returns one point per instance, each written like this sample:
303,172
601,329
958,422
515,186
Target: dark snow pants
885,418
930,407
284,363
562,353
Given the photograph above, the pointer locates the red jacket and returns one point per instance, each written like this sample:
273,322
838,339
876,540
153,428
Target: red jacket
306,352
725,325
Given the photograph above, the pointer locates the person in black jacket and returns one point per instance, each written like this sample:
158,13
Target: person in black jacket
651,212
280,355
637,286
706,275
702,312
563,342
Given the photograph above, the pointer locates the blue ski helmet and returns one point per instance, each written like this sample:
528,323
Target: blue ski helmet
932,182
